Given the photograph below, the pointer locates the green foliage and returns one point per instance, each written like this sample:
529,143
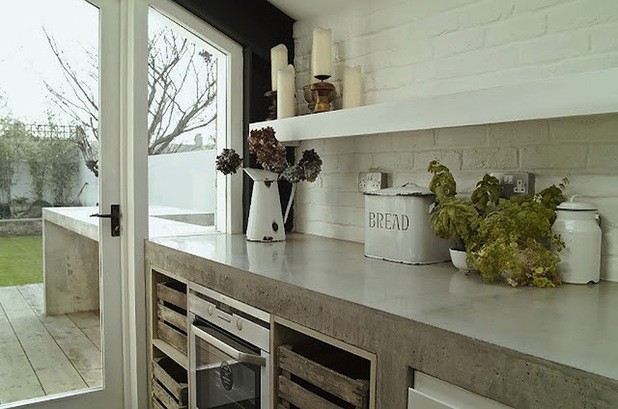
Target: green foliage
510,239
63,168
443,183
455,219
11,146
486,195
515,242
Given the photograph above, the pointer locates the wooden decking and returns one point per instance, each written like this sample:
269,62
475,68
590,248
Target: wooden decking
41,355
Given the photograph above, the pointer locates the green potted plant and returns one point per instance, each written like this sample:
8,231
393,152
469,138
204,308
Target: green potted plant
457,219
503,239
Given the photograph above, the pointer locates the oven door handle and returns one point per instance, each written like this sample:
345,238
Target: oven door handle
240,356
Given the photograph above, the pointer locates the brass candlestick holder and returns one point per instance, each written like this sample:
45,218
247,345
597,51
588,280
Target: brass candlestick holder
310,97
323,92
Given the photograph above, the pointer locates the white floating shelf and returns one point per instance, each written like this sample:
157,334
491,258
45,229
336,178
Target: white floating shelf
582,94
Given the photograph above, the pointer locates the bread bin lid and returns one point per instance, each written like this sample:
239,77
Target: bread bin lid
409,189
572,205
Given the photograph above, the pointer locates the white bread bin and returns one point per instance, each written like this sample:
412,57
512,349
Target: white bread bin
397,226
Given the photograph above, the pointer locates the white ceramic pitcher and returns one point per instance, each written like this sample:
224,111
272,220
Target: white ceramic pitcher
265,217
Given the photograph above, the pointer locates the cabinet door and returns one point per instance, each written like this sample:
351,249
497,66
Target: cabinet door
418,400
433,393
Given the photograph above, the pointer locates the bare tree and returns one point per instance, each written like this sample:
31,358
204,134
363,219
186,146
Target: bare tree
182,91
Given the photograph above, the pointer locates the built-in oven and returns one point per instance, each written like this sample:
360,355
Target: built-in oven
229,361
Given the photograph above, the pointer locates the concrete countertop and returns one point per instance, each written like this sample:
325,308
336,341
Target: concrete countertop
572,325
78,220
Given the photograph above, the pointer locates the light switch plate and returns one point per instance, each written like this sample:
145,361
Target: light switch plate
371,181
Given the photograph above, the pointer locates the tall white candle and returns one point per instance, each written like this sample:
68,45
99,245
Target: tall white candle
321,52
351,87
278,60
286,87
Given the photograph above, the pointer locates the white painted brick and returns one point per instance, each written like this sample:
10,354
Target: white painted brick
412,140
581,14
373,143
553,157
478,61
588,63
609,268
458,42
394,77
609,241
593,128
392,161
604,38
515,29
450,158
351,233
555,47
349,199
524,6
338,145
434,25
364,161
490,158
603,157
421,177
330,163
487,11
518,133
587,185
340,181
608,209
462,136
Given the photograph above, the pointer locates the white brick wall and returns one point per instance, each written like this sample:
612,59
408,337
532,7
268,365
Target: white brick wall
427,47
583,148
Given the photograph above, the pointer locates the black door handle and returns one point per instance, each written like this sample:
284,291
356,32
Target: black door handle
115,216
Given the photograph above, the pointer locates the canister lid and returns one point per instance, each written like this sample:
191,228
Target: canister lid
572,205
409,189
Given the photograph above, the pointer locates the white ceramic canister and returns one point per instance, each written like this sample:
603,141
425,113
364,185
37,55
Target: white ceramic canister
578,225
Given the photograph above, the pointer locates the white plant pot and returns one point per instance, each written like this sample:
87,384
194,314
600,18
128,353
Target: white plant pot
265,217
458,258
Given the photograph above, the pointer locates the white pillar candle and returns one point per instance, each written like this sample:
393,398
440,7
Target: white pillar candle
278,60
351,87
286,87
321,52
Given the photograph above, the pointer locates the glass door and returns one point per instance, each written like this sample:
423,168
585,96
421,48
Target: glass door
60,281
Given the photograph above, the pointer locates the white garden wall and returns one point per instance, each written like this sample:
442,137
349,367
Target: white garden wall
431,47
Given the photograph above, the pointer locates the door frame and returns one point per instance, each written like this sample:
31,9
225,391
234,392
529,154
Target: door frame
110,248
134,168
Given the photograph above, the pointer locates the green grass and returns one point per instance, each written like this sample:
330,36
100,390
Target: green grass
21,260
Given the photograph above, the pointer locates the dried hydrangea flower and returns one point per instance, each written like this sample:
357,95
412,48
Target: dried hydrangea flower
270,152
311,164
228,162
293,174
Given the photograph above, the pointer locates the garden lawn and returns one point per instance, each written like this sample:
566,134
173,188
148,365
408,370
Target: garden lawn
21,260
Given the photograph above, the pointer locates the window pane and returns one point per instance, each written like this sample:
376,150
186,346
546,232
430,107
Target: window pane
184,93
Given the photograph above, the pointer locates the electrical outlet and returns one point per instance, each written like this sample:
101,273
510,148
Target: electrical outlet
515,183
371,181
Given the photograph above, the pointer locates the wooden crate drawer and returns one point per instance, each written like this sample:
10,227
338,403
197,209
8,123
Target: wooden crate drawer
174,293
172,316
163,398
172,336
308,384
172,376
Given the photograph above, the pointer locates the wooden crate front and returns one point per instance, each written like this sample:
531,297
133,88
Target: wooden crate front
306,384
